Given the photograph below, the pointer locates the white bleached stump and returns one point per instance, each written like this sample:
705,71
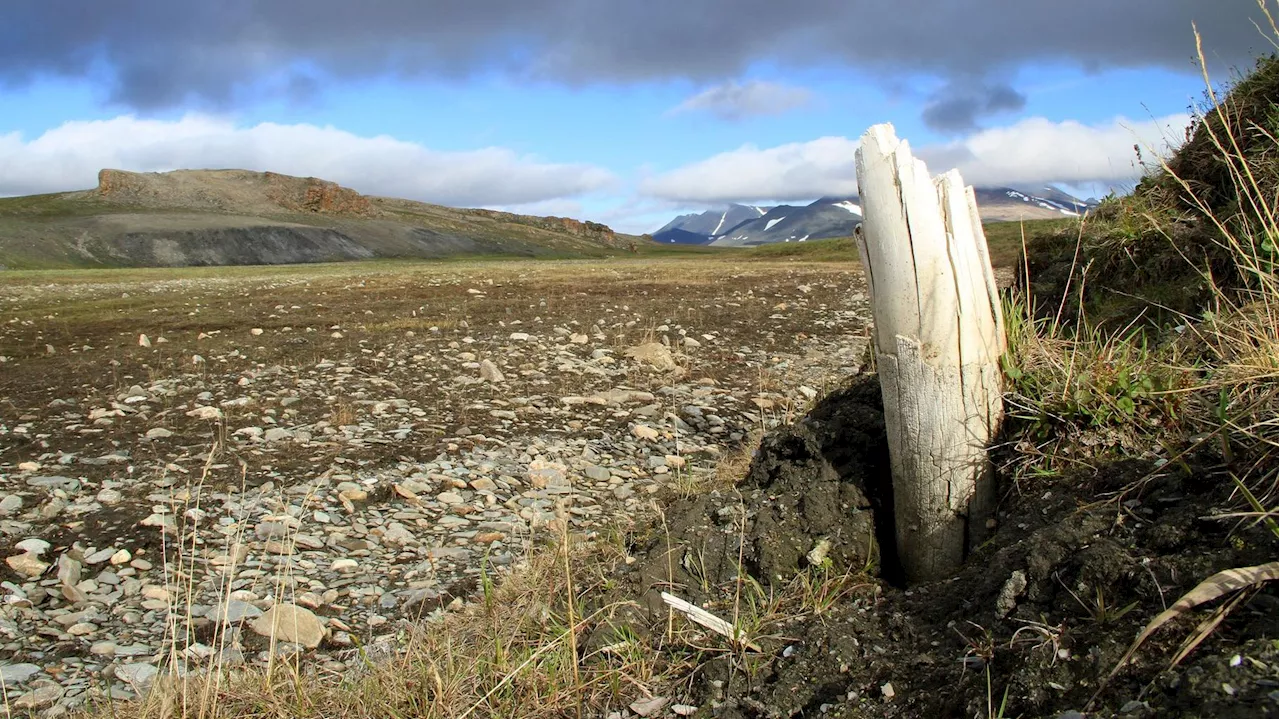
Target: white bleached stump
938,336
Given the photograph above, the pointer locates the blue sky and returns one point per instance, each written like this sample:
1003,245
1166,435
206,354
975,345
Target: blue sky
588,121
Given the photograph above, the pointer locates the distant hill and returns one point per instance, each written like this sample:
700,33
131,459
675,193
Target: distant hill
836,217
234,217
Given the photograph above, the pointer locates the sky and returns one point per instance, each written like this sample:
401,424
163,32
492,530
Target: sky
626,113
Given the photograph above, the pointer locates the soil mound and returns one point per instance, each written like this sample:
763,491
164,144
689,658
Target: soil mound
1037,618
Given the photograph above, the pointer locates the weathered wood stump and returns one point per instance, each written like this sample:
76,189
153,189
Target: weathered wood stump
938,338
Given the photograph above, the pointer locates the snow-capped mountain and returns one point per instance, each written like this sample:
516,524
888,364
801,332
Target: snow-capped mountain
1006,203
828,217
745,225
707,224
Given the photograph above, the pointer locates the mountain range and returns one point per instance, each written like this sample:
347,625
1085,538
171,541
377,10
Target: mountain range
749,225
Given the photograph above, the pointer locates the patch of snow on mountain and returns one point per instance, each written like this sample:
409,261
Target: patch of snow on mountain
769,225
720,224
802,239
757,209
851,207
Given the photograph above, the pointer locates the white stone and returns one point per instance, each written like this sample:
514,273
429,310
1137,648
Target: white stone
27,564
34,545
489,372
276,434
205,413
643,431
290,623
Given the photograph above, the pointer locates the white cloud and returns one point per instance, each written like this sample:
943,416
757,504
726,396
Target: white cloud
69,157
734,101
1033,151
1036,150
795,171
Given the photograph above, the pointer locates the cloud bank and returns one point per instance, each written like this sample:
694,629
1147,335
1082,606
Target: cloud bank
1032,152
69,157
160,53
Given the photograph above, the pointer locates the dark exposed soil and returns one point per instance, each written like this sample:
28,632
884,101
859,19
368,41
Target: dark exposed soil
1102,551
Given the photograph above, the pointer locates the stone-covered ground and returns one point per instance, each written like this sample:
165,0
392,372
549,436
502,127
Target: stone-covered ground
189,459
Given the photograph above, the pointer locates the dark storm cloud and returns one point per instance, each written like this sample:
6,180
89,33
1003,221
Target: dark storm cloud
158,53
958,107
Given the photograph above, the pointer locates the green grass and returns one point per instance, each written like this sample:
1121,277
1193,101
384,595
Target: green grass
1005,239
838,249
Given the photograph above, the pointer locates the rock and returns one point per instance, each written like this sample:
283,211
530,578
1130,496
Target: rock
10,504
11,675
489,372
276,434
690,343
398,535
69,570
449,498
28,466
233,611
39,698
344,565
205,413
519,337
1013,588
290,623
684,710
654,354
158,433
100,556
120,557
27,564
650,706
543,474
103,649
643,431
139,676
109,496
256,331
34,545
597,474
144,341
64,483
155,519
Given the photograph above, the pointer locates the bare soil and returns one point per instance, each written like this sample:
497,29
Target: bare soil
1102,551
